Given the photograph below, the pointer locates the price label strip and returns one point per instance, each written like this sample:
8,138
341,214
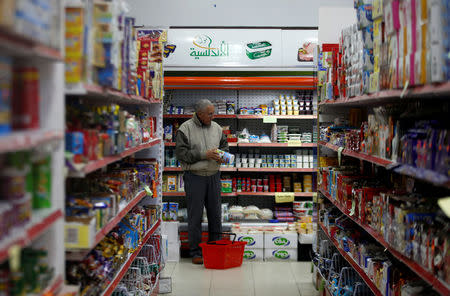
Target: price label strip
283,197
269,119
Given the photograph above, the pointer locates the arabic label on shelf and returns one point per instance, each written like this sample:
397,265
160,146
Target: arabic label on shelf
269,119
294,142
282,197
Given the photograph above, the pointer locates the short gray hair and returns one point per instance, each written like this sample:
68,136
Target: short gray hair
202,104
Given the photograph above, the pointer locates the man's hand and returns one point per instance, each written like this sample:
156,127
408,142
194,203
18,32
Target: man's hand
212,154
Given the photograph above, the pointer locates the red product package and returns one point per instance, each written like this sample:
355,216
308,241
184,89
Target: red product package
25,103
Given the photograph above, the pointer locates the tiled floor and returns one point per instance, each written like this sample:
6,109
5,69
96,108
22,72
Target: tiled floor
251,279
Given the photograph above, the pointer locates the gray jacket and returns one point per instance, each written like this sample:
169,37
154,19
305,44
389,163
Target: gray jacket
193,140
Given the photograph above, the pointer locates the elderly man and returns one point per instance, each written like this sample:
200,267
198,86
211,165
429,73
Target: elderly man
197,141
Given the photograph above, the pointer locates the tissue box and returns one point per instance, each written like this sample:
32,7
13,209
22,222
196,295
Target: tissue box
254,254
280,254
253,240
280,240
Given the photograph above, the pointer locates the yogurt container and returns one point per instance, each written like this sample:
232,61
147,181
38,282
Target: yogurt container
226,157
258,50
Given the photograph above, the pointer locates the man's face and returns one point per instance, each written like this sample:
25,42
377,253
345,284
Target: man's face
206,115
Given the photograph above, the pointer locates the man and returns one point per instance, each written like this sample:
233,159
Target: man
196,142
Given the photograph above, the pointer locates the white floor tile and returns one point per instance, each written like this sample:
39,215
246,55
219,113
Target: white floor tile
168,269
235,281
251,279
302,272
307,289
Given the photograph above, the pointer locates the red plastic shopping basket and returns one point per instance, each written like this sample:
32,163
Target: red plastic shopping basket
223,254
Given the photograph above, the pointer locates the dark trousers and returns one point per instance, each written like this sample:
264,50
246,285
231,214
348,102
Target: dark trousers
202,192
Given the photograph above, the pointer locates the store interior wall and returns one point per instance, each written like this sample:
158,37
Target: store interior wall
209,13
334,15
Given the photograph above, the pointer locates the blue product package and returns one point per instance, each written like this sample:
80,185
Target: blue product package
173,211
75,142
368,36
112,135
129,233
5,94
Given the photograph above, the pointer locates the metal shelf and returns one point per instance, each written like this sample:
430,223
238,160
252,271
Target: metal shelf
123,270
179,169
216,116
373,159
25,140
293,117
277,170
303,145
93,91
76,254
41,221
19,46
95,165
113,222
352,262
264,170
256,145
438,285
404,169
392,95
170,169
424,175
297,194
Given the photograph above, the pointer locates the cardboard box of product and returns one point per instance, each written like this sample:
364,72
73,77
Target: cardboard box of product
280,240
173,251
80,233
253,240
280,254
170,228
254,254
172,183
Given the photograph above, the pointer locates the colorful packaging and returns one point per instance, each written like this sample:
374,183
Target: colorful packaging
25,104
6,78
42,175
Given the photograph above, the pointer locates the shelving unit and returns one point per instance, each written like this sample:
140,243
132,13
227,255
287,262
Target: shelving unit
44,230
272,194
260,145
441,287
373,159
262,170
277,170
18,46
25,140
110,225
187,116
352,262
276,117
123,270
394,95
42,220
113,83
98,164
97,92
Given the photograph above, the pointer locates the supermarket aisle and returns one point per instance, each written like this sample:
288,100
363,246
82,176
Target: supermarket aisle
251,279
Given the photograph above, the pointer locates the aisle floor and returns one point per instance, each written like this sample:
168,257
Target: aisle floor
251,279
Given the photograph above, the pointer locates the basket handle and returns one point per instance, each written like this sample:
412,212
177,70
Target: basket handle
223,233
